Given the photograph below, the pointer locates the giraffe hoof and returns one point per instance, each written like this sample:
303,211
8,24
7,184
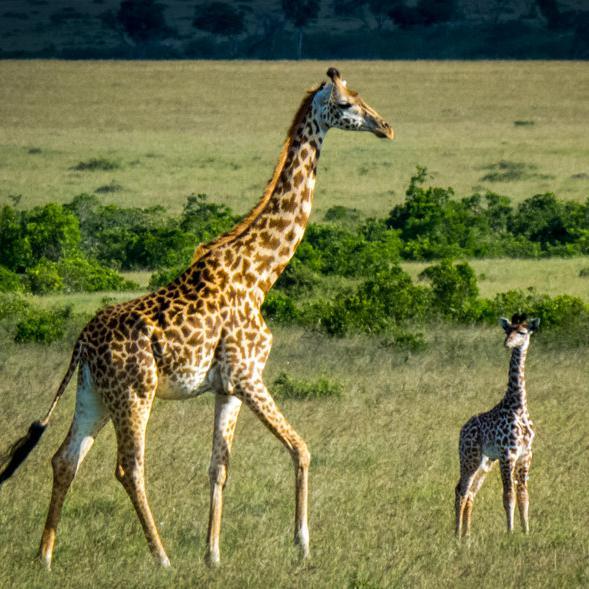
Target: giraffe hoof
45,560
212,560
165,562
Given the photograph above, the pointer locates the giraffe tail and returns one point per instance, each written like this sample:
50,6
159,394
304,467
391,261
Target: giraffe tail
18,452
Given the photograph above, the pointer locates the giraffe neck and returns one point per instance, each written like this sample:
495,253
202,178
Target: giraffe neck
271,240
516,387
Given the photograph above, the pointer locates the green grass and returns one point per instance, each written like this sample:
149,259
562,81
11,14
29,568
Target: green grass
384,452
177,128
552,276
382,477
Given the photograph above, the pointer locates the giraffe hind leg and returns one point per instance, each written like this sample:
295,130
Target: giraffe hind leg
470,460
130,424
477,483
89,418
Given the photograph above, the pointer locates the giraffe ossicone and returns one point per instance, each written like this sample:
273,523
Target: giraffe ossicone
202,332
502,434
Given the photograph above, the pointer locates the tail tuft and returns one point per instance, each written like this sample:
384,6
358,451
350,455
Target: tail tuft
18,452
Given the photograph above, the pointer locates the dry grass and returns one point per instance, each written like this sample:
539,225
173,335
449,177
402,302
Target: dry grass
216,127
383,472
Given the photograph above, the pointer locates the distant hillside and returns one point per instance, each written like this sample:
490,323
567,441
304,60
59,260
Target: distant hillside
260,29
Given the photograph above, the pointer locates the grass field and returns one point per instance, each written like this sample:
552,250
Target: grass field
217,127
382,477
384,461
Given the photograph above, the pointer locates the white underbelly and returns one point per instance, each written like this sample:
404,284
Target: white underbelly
186,383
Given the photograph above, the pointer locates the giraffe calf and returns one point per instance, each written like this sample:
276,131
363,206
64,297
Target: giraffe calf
504,433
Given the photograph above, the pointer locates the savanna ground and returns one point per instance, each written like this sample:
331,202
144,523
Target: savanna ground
384,454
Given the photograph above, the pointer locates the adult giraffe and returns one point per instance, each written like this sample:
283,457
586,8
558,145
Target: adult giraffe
202,332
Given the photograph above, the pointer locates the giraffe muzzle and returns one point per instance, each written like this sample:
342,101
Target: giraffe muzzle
382,129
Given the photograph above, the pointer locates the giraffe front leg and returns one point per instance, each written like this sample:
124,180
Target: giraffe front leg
507,465
521,474
259,400
226,412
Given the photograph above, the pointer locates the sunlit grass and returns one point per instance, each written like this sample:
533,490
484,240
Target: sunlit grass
177,128
553,276
382,476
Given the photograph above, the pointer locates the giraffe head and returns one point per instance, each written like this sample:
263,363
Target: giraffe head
338,106
518,330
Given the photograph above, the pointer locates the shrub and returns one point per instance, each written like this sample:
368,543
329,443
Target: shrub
376,305
405,340
165,276
454,290
79,274
12,306
205,220
558,311
286,387
74,274
342,215
280,308
9,281
96,164
297,279
43,326
44,277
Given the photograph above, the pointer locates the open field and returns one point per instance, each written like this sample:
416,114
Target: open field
176,128
384,461
382,476
553,276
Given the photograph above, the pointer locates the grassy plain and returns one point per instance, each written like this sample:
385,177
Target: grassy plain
382,479
384,455
177,128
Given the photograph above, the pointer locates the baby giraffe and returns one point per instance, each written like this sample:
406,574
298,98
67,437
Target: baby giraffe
504,433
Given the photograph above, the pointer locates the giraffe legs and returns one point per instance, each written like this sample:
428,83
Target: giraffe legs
521,474
89,418
506,463
130,429
259,400
475,486
226,412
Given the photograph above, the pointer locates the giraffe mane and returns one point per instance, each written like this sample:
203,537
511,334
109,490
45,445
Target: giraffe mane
250,218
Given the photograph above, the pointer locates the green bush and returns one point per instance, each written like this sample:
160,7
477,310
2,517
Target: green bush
558,311
10,281
405,340
81,275
280,308
455,292
44,277
297,279
74,274
43,326
286,387
12,306
165,276
96,164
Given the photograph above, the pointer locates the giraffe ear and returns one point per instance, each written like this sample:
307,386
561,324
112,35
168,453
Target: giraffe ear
533,324
505,324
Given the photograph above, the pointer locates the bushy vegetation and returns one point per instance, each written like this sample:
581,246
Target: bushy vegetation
287,387
43,326
344,278
41,251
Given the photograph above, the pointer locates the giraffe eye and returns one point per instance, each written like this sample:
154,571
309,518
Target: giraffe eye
345,104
